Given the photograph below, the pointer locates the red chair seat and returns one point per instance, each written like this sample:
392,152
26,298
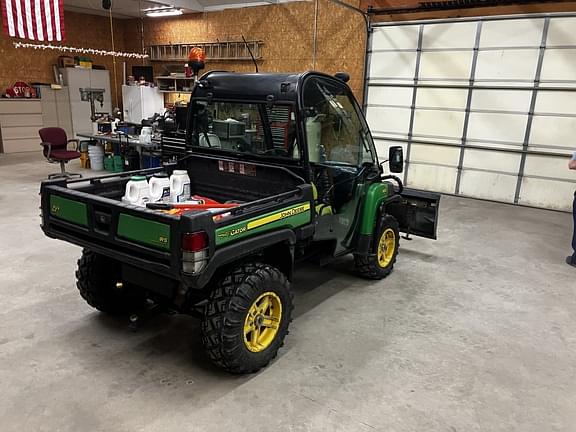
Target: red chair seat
64,155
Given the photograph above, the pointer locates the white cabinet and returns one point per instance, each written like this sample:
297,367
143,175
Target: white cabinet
20,120
141,102
77,78
56,110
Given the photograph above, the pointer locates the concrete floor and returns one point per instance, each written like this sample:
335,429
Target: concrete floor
473,332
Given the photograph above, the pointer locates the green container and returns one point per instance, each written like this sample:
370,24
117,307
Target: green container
118,164
109,163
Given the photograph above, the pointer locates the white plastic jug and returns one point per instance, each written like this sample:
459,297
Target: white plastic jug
160,188
179,186
146,135
137,191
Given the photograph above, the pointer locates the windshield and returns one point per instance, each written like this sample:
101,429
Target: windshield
335,131
244,128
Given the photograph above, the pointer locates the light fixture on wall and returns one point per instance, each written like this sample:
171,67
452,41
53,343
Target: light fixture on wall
163,12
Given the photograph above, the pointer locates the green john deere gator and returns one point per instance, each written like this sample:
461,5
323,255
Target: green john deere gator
294,154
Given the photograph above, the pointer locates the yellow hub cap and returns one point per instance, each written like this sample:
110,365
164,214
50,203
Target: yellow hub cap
386,247
262,322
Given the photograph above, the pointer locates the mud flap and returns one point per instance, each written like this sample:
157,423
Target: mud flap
416,212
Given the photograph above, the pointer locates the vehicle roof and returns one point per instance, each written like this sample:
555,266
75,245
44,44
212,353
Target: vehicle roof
253,86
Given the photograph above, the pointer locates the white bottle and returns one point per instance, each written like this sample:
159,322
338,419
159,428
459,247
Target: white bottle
137,191
179,186
160,188
145,135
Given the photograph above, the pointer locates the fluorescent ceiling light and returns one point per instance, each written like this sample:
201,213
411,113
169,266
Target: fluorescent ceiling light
164,13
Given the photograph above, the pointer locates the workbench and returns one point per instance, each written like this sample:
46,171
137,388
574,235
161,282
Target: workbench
118,139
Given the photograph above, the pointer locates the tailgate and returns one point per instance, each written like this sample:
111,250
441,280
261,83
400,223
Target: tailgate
134,235
416,212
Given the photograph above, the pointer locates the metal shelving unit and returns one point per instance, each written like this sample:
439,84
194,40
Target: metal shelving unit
174,84
215,51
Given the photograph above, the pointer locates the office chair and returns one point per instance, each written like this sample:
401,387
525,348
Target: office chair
55,150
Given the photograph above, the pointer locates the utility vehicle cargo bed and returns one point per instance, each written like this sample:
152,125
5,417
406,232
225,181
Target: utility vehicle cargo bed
91,214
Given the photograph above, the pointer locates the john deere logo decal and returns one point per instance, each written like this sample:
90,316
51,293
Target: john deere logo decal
294,211
256,223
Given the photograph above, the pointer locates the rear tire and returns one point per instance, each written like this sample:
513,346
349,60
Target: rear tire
99,281
247,318
386,241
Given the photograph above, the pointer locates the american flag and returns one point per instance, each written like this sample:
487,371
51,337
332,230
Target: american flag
41,20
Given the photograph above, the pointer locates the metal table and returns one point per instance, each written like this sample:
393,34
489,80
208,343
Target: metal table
122,139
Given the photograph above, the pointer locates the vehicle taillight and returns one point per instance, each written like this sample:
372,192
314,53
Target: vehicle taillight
194,252
194,242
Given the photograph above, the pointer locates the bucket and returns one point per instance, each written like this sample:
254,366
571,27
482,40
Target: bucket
96,155
137,191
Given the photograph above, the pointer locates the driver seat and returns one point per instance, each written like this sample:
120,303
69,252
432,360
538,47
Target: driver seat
322,209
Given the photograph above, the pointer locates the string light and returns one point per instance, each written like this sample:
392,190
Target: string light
75,50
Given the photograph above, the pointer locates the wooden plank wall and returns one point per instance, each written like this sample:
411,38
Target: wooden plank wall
287,30
86,31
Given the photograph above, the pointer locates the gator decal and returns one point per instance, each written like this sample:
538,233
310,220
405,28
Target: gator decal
144,231
69,210
291,217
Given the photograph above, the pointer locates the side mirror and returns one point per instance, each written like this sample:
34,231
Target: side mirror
396,159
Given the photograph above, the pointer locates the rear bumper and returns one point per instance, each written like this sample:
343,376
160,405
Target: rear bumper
150,265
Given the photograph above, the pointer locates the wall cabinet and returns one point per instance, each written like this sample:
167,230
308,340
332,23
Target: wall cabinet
20,119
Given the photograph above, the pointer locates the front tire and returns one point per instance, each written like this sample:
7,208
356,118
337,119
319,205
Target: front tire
380,262
99,281
247,318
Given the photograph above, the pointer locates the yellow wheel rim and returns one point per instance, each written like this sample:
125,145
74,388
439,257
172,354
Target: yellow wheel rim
386,247
262,322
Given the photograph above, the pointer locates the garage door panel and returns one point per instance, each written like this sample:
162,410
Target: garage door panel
558,131
559,64
493,145
434,122
426,139
491,160
546,166
566,150
497,127
507,64
384,119
512,33
441,98
390,96
556,102
446,65
449,35
502,100
486,185
437,178
553,194
438,154
561,32
508,55
392,64
390,38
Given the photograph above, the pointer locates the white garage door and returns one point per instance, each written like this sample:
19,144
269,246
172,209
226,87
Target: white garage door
483,107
